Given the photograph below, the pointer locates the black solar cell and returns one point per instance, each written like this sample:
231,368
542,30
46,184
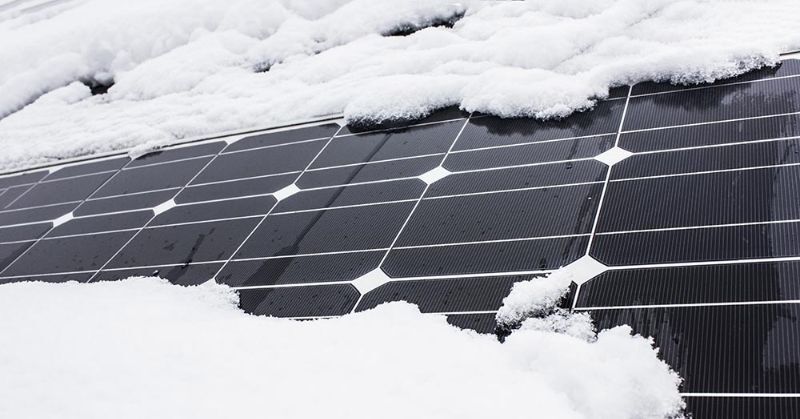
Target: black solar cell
698,245
722,349
392,144
314,301
581,171
739,282
768,194
748,155
231,189
334,230
183,244
748,407
542,152
68,254
487,257
300,269
409,189
369,172
23,232
58,191
284,137
445,295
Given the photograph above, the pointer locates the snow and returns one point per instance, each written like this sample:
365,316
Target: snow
144,348
188,68
540,296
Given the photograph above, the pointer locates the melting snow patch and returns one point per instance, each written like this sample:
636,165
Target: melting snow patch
541,297
144,348
184,68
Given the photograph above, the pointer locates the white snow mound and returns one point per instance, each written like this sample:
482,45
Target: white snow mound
142,348
187,68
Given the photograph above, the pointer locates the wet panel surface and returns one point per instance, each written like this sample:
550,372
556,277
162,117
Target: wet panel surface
368,227
69,254
184,244
741,282
324,300
300,269
724,349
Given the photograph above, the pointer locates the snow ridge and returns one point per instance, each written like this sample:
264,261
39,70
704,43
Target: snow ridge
188,68
145,348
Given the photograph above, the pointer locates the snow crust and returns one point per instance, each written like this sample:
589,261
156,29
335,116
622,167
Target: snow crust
186,68
144,348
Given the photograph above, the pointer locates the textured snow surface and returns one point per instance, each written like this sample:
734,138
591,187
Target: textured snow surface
142,348
185,68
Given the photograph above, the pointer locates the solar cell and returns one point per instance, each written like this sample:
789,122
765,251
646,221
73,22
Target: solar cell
485,257
541,152
369,172
183,244
64,190
722,349
697,227
178,153
262,161
153,177
183,274
707,284
35,214
260,185
23,232
698,244
445,295
392,144
302,269
732,101
737,407
310,301
133,201
581,171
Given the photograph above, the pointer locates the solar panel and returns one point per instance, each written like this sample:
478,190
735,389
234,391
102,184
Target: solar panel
686,195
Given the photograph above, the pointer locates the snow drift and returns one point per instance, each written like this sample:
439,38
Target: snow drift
193,67
144,348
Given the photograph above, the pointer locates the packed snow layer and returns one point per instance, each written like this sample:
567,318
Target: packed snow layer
185,68
142,348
